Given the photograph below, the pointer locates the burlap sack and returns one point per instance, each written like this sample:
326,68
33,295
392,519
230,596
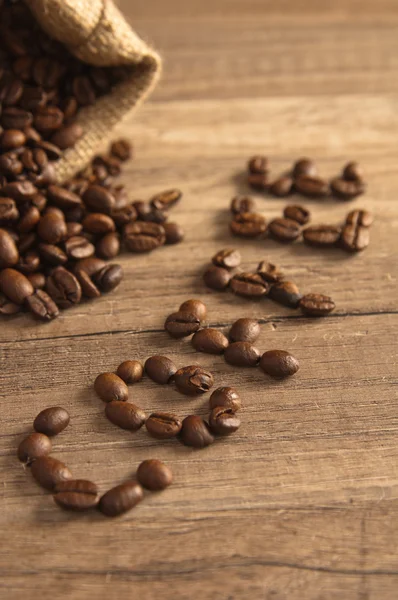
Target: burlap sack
96,32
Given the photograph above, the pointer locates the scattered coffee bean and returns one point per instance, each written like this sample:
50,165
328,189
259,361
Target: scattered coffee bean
250,285
353,172
76,494
248,225
42,306
281,187
242,204
210,341
130,371
316,305
304,167
358,217
354,238
269,272
110,387
346,189
181,324
163,426
52,420
121,498
223,420
154,475
194,307
258,165
298,213
34,446
244,330
279,364
322,235
125,415
258,181
284,230
174,233
242,354
63,287
227,397
142,236
229,258
160,369
9,254
195,432
166,200
311,187
121,149
217,278
49,472
193,380
108,246
286,293
15,286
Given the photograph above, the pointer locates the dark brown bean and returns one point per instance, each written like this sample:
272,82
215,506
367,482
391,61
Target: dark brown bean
109,277
174,233
78,247
316,305
354,238
223,420
217,278
143,236
110,387
108,246
16,118
34,446
195,432
353,172
242,354
29,220
193,380
7,307
312,187
181,324
52,420
121,149
279,364
98,224
52,228
42,306
210,341
286,293
121,498
67,136
194,307
99,199
154,475
163,426
15,286
258,164
63,198
304,167
347,189
38,280
244,330
321,235
76,494
50,472
284,230
248,225
228,258
52,254
258,181
125,415
8,210
298,213
281,187
89,289
242,204
227,397
130,371
249,285
359,217
63,287
269,272
166,199
9,255
160,369
10,139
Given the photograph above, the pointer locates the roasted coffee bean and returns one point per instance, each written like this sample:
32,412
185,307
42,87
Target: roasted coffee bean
48,119
76,494
258,164
286,293
67,136
26,242
121,149
316,305
9,255
181,324
228,258
166,200
42,306
244,330
321,235
354,238
8,210
195,432
15,286
20,191
248,225
242,204
121,498
52,228
194,307
34,446
29,220
304,167
130,371
10,139
160,369
163,426
78,247
217,278
99,199
250,285
7,307
281,187
258,181
91,265
110,387
51,254
16,118
269,272
52,420
312,187
38,280
298,213
98,224
242,354
63,287
124,215
223,420
279,364
210,341
154,475
63,198
174,233
83,90
346,189
125,415
29,263
143,236
73,229
50,472
193,380
353,172
227,397
358,217
284,230
89,289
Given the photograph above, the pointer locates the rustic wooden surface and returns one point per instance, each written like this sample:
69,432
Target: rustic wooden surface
302,503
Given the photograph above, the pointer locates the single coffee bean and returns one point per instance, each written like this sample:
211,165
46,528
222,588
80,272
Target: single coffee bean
248,225
89,289
142,236
91,265
7,307
121,149
42,306
242,204
353,172
34,446
52,255
130,371
227,397
15,286
125,415
210,341
66,137
223,420
11,139
9,255
217,278
47,119
63,287
20,191
354,238
63,198
174,233
286,293
279,364
346,189
121,498
154,475
51,421
298,213
284,230
195,432
311,187
228,258
78,247
181,324
242,354
244,330
358,217
29,220
110,387
124,215
193,380
83,90
194,307
304,167
321,235
163,426
50,472
52,228
76,494
258,164
98,224
38,280
29,263
99,199
269,272
108,246
160,369
8,210
108,278
316,305
281,187
16,118
250,285
166,200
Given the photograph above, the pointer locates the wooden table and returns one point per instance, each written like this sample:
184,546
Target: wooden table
302,502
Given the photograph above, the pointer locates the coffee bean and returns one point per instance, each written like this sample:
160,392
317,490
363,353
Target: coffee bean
20,191
91,265
42,306
143,236
316,305
210,341
83,90
76,494
311,187
358,217
63,287
52,420
279,364
353,172
227,397
9,254
108,246
99,199
286,293
121,498
242,354
111,387
281,187
181,324
28,220
193,380
242,204
122,216
228,258
66,137
50,472
7,307
154,475
163,426
195,432
223,420
166,200
258,164
248,225
194,307
284,230
130,371
52,254
16,118
52,228
10,139
8,210
244,330
121,149
78,247
269,272
108,278
160,369
304,167
298,213
354,238
29,263
34,446
347,189
98,224
125,415
250,285
89,289
321,235
38,280
217,278
258,181
174,233
15,286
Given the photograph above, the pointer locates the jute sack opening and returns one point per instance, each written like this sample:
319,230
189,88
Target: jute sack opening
95,32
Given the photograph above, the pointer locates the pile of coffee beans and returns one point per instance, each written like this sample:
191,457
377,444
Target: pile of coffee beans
81,494
267,281
304,179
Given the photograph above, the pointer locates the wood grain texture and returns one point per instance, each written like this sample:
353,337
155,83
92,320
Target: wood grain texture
302,503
